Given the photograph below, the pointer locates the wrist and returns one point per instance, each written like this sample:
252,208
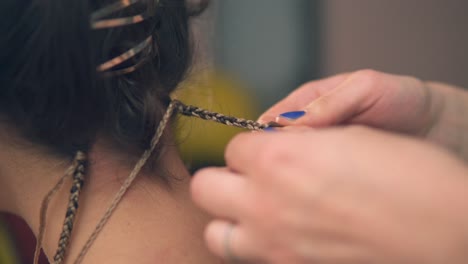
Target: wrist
449,117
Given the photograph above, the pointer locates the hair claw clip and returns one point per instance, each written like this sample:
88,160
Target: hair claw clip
98,20
108,65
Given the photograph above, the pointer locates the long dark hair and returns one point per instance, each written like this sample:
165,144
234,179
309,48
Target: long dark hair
50,90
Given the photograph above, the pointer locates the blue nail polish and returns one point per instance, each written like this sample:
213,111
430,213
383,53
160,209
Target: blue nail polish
269,129
293,115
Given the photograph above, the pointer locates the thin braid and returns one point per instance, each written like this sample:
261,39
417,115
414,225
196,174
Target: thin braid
45,205
75,191
190,110
128,182
43,212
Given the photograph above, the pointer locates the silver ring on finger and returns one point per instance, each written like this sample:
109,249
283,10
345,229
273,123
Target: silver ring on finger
230,257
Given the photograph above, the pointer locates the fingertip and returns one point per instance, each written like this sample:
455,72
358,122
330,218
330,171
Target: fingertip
195,188
199,174
317,115
213,235
292,115
270,129
261,120
198,182
316,107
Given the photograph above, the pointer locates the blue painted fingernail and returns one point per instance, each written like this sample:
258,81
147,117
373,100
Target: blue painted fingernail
269,129
292,115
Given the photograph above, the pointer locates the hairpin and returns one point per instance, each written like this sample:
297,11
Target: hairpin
108,65
98,20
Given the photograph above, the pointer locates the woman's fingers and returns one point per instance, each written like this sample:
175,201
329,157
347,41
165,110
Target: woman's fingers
389,102
243,150
247,152
214,188
358,93
353,96
302,97
251,153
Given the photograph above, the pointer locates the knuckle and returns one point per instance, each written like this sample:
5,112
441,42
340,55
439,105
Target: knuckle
260,211
370,78
368,72
411,81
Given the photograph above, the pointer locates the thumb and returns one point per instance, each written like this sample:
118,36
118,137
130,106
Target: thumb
302,96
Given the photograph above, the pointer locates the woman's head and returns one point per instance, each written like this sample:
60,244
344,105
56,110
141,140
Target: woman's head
50,89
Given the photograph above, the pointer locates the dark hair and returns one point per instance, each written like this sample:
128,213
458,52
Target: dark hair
49,87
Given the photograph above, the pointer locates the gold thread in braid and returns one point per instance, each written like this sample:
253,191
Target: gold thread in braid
75,191
190,110
127,183
45,206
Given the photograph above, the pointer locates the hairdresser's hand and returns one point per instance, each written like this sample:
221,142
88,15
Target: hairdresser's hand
343,195
403,104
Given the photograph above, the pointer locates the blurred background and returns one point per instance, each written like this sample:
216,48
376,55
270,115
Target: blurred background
251,53
274,45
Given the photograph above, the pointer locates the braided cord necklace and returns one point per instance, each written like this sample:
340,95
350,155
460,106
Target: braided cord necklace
77,169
